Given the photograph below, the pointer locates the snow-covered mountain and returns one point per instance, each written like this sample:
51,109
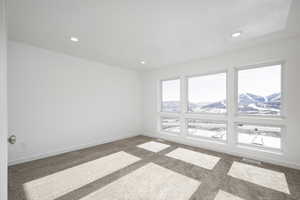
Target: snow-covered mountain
248,98
274,97
216,107
248,104
171,106
259,105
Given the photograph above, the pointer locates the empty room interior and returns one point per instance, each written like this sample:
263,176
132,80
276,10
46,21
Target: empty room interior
150,100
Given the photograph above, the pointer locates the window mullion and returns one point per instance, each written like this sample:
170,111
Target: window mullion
231,106
183,100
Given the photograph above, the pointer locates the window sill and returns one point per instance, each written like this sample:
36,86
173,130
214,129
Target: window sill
203,139
278,152
276,118
169,133
169,113
208,114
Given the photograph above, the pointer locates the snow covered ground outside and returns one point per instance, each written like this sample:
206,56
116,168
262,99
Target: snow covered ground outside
260,140
221,135
243,138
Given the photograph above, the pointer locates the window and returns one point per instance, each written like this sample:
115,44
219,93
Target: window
208,129
202,106
259,136
259,91
170,124
207,94
170,95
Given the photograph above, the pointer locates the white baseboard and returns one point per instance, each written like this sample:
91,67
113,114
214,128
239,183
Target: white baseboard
65,150
194,143
162,136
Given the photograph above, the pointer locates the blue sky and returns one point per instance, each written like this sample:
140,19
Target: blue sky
211,88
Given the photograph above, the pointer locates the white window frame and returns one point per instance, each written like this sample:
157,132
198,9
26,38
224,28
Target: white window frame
282,88
211,121
231,117
187,93
161,95
258,147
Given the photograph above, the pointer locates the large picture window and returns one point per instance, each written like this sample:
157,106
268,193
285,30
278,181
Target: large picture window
207,94
259,91
170,95
256,95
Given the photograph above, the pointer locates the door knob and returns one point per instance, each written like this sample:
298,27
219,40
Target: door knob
12,139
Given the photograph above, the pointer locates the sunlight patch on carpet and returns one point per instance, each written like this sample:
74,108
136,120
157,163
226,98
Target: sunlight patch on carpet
148,182
60,183
260,176
153,146
222,195
196,158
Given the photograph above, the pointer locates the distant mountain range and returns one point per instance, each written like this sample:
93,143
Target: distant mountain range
255,104
248,104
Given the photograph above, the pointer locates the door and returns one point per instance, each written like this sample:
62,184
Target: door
3,105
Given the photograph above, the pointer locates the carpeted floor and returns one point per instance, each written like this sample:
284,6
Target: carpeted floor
133,169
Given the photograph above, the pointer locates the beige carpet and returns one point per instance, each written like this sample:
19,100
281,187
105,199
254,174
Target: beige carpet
153,146
260,176
222,195
200,159
150,182
55,185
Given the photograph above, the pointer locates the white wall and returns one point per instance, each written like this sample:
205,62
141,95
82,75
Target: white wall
3,107
58,103
287,50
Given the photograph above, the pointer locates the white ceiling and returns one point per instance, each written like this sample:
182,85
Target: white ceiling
161,32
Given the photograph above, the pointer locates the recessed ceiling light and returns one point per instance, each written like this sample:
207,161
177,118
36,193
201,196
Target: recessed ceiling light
74,39
143,62
236,34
